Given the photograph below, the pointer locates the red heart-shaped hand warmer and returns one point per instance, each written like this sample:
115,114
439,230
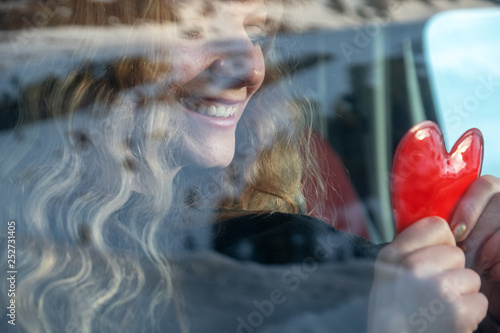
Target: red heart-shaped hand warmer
426,179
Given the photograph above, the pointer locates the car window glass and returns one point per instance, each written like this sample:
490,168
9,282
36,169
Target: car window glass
462,52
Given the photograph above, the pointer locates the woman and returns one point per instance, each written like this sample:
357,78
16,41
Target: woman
174,135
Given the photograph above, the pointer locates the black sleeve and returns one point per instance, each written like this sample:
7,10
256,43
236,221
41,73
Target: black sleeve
489,325
280,238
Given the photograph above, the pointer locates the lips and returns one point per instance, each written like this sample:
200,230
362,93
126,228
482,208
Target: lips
209,108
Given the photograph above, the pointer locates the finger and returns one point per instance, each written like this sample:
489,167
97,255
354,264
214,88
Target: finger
434,260
472,205
489,254
471,309
426,232
457,282
492,274
487,225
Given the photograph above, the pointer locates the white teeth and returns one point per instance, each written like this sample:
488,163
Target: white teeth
211,110
202,109
220,111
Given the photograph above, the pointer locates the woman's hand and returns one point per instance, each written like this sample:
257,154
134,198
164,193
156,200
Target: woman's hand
421,284
479,212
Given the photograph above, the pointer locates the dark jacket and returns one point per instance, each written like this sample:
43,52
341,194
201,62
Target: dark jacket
284,239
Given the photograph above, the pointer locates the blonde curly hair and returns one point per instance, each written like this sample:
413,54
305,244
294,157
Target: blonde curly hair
89,174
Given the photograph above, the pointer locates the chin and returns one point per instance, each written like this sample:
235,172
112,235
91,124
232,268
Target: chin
210,154
214,161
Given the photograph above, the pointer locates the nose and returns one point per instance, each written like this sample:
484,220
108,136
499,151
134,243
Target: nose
238,63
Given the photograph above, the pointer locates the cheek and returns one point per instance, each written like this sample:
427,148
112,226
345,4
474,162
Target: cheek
187,63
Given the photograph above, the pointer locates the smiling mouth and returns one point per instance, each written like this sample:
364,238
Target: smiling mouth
210,109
